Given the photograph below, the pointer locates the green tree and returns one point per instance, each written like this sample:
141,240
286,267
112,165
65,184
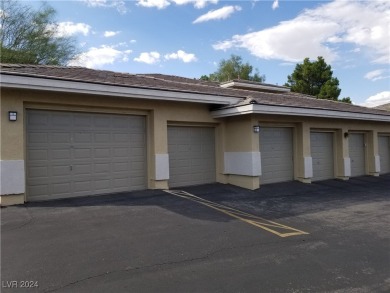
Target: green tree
346,100
314,78
234,68
205,77
31,37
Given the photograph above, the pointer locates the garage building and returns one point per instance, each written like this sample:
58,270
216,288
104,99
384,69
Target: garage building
72,131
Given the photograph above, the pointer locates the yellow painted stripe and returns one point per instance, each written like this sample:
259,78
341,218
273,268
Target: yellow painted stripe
256,221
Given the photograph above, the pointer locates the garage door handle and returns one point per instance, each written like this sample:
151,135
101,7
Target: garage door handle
71,168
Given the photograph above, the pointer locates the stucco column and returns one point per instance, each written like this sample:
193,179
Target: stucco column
303,154
220,145
12,160
159,159
242,163
372,156
343,161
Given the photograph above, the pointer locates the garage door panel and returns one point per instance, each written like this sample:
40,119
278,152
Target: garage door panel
60,137
39,171
102,152
102,137
59,170
120,122
61,188
191,155
60,120
84,154
83,121
138,182
37,190
38,121
82,169
120,152
60,154
121,167
276,147
102,168
121,182
38,154
37,137
102,122
322,155
102,185
82,186
135,138
80,137
138,152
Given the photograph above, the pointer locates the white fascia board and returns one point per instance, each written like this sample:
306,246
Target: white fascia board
45,84
295,111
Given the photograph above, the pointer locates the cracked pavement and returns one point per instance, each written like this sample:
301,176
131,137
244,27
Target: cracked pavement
151,241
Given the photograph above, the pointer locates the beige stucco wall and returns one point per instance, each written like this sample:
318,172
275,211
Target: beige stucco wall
159,114
240,138
234,135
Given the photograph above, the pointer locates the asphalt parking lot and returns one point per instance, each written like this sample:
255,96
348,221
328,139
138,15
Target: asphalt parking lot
226,240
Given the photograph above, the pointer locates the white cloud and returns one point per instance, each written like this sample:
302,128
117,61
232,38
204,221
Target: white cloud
287,64
148,57
159,4
120,5
356,50
275,4
221,13
68,28
108,34
197,3
181,55
373,74
283,43
377,100
133,41
97,57
376,75
315,32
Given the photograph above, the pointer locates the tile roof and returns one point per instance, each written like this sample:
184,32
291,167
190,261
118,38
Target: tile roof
180,84
86,75
384,107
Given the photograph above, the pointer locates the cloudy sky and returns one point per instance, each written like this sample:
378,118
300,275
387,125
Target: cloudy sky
189,38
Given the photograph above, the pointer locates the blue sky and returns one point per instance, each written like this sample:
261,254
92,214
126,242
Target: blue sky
189,38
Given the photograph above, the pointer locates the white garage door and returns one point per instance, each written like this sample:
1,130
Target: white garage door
76,154
276,147
384,153
322,155
191,155
357,154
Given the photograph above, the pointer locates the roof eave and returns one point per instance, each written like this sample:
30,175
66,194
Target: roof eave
296,111
56,85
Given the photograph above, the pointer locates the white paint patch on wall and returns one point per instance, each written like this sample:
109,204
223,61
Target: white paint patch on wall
308,167
377,164
243,163
347,167
12,177
162,167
